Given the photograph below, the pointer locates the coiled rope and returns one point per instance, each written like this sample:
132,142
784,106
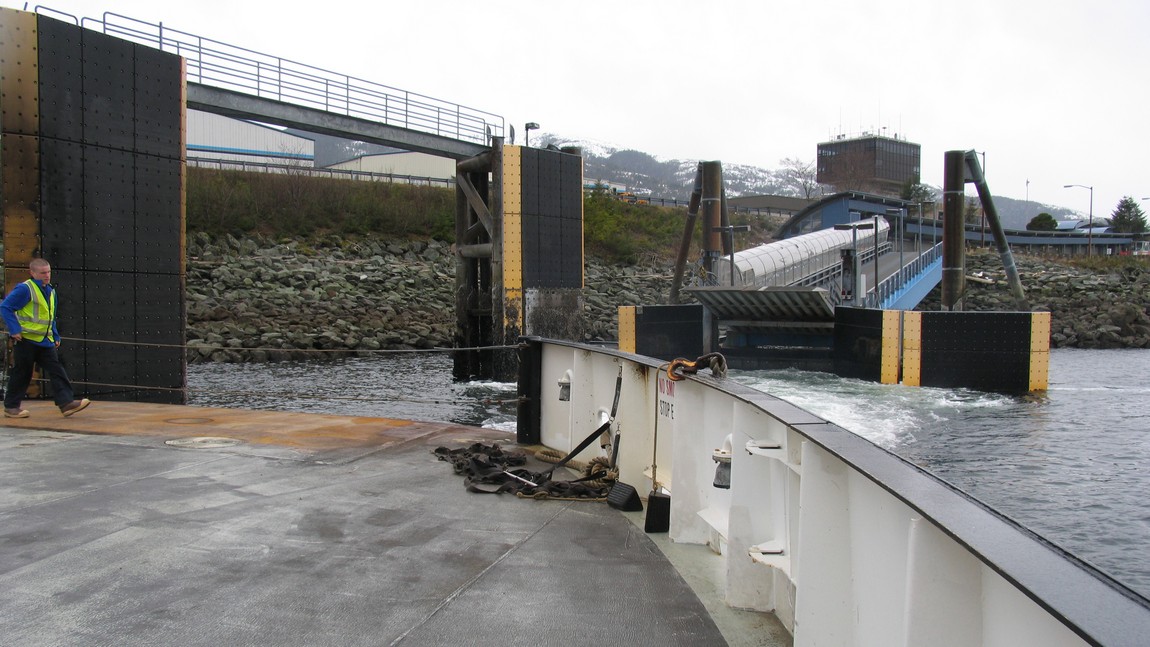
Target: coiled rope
599,464
490,469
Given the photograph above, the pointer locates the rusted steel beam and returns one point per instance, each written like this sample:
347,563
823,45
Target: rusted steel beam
688,233
1012,278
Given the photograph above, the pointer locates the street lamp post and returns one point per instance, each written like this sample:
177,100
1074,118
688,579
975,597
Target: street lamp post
730,231
528,127
1090,226
856,263
856,268
918,232
900,232
933,220
875,260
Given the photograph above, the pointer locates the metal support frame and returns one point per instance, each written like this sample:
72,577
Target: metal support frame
976,176
688,231
478,217
710,195
712,204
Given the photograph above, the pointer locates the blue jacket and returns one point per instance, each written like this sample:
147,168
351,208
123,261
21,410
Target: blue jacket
18,298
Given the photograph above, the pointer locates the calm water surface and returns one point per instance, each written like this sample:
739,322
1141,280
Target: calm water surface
1073,465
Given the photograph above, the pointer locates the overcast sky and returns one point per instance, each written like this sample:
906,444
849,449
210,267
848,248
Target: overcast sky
1054,91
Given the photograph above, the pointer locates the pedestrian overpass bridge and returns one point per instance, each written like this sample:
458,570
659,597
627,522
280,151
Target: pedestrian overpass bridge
241,83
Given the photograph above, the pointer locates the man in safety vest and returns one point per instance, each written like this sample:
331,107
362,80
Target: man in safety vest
29,311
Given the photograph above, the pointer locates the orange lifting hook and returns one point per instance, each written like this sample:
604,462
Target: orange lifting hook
715,361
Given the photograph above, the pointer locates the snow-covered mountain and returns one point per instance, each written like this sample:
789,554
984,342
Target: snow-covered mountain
642,173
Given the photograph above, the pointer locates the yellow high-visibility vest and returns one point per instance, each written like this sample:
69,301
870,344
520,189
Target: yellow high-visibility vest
36,316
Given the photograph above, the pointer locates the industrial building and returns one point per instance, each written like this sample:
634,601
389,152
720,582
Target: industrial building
405,163
223,138
869,162
215,141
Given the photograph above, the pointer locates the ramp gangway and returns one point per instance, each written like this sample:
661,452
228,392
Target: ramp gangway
807,304
781,310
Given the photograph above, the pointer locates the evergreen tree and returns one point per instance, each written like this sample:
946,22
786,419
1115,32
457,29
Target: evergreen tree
1042,222
914,191
1128,217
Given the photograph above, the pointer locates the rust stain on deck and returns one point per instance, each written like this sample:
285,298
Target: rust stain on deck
304,431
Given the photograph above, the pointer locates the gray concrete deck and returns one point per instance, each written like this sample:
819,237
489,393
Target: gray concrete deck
318,530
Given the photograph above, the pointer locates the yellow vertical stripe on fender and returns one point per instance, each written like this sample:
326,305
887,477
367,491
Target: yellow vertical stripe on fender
891,346
1039,350
627,329
19,143
19,73
512,233
912,349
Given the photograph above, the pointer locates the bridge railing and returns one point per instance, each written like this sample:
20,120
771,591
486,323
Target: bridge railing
250,166
892,286
211,62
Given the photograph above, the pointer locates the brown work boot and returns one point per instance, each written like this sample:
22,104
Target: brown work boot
74,406
15,413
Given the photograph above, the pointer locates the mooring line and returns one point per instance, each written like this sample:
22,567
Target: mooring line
299,395
381,351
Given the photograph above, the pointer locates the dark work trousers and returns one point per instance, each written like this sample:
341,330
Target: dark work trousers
24,355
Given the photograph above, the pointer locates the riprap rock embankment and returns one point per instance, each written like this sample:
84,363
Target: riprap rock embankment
256,300
1088,309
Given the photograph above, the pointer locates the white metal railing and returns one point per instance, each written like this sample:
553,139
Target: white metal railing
210,62
846,543
249,166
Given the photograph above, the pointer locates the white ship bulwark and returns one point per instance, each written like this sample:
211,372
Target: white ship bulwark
846,543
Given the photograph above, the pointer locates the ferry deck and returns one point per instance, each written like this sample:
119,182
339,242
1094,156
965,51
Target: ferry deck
145,524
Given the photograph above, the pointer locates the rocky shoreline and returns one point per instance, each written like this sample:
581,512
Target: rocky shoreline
1088,309
254,300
